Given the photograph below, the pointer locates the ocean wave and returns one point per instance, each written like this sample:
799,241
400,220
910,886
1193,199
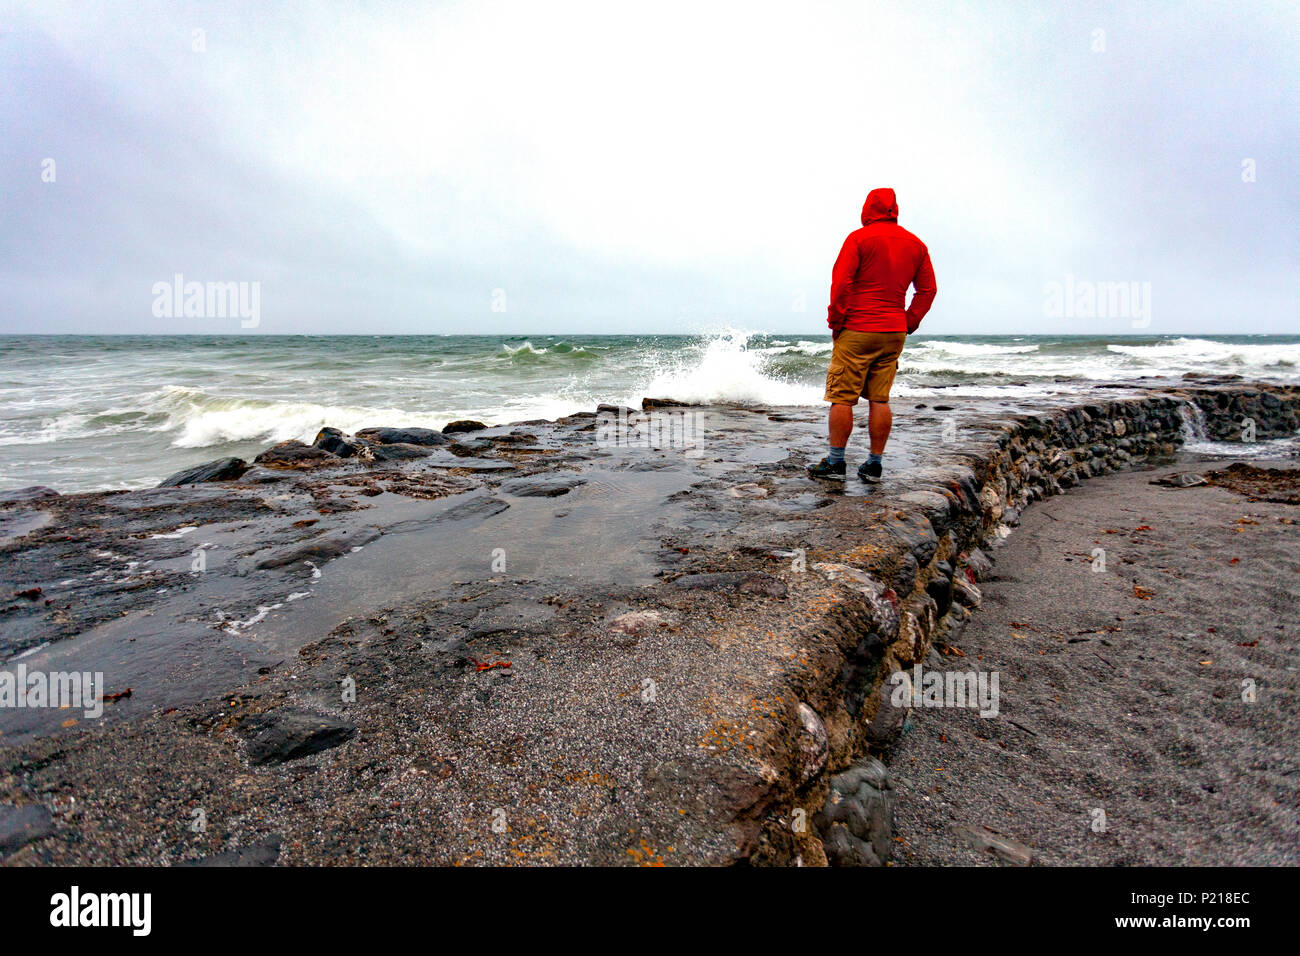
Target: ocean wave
98,414
722,368
1200,352
973,349
75,425
802,347
527,353
200,420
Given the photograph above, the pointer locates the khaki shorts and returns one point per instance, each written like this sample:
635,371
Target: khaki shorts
863,363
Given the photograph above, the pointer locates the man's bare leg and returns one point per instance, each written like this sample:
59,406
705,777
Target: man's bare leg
879,420
841,425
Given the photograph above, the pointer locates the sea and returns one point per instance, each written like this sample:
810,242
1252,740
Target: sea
82,413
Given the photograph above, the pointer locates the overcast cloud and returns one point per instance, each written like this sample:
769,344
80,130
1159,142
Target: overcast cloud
660,167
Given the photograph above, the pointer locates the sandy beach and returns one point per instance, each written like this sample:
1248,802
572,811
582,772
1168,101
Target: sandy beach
1122,689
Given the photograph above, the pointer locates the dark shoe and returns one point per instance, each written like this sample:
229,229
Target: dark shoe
869,471
824,469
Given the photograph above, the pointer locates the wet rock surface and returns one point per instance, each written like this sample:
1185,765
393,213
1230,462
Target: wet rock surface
857,822
21,825
223,469
259,854
1181,479
541,486
293,454
621,673
283,735
463,425
33,493
404,436
1281,485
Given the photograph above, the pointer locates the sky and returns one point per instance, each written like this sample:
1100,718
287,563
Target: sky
526,168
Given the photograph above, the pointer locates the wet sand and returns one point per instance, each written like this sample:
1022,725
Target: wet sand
1122,690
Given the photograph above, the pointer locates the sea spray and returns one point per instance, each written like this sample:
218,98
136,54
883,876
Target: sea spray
87,412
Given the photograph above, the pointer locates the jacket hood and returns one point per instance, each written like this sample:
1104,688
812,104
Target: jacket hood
880,204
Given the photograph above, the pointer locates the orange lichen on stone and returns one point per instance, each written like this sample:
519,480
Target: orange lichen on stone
645,855
723,735
862,554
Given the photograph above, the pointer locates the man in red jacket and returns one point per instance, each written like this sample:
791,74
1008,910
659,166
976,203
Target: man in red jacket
869,325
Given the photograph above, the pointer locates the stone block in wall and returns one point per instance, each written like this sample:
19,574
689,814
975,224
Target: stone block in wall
857,823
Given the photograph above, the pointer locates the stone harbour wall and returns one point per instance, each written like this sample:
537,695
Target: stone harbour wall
900,601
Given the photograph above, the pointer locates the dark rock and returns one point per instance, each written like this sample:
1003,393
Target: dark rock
1185,479
398,451
147,499
333,441
813,743
542,486
476,464
514,438
264,853
939,587
624,410
887,724
936,507
282,735
511,617
335,505
917,535
474,508
965,593
742,582
21,825
469,447
261,476
293,454
648,403
318,550
17,523
653,464
979,563
1004,848
403,436
223,469
963,486
462,425
857,823
32,493
869,635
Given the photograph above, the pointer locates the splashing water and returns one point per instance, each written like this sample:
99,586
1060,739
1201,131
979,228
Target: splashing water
84,412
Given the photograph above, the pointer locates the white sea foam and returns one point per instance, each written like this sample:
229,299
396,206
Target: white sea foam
802,347
198,419
95,414
973,348
724,369
1192,353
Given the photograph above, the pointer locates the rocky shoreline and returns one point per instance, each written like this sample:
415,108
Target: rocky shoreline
525,643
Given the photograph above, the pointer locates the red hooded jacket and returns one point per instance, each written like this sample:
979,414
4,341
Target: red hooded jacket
876,265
